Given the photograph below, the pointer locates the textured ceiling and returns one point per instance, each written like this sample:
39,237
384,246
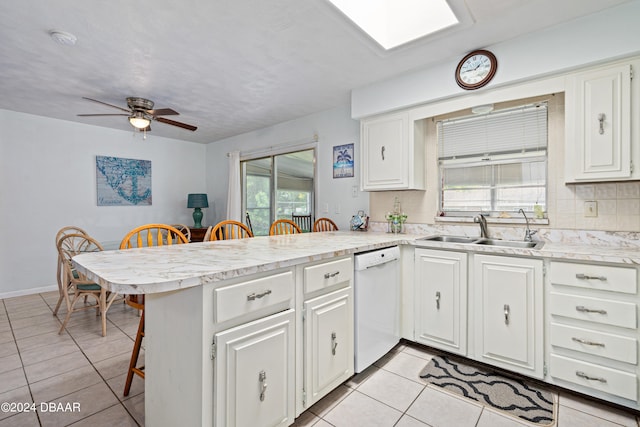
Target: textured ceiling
228,66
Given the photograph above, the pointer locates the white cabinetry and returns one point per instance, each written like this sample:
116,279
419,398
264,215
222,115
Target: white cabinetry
593,333
598,125
392,154
441,299
254,383
327,327
508,305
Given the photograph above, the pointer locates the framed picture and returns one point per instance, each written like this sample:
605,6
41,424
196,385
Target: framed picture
343,161
123,182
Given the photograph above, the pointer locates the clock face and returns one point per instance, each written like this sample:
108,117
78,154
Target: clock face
476,69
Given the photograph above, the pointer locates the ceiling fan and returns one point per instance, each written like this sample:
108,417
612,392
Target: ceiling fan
141,113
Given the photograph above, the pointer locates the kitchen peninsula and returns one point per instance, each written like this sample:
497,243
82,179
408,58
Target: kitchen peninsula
228,313
219,311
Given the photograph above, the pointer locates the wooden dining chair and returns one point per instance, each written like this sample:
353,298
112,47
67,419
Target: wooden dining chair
64,231
284,226
145,235
76,285
324,224
230,229
302,221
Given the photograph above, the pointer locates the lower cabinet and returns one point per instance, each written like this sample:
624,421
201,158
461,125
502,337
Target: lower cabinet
328,343
441,299
508,305
593,329
327,357
254,381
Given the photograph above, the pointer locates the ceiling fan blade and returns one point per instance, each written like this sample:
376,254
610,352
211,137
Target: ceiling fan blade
163,112
90,115
174,123
108,105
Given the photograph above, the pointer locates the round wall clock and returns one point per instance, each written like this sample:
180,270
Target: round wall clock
476,69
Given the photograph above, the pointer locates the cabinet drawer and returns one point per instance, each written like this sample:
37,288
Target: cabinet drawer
612,381
611,346
608,312
601,277
260,294
327,275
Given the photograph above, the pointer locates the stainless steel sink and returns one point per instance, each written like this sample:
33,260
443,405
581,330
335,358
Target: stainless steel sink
450,239
484,241
509,243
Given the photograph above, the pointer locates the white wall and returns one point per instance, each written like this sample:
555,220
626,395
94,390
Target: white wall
600,37
48,181
333,127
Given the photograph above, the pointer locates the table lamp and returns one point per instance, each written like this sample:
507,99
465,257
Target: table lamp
197,201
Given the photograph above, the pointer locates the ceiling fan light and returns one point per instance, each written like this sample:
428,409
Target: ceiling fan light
138,121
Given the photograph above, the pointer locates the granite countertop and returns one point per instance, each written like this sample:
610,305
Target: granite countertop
168,268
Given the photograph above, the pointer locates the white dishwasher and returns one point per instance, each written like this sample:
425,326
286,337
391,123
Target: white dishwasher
377,305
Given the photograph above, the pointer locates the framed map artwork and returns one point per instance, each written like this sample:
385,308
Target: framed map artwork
343,161
123,182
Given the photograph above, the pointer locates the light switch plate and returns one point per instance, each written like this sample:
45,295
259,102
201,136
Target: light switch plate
591,209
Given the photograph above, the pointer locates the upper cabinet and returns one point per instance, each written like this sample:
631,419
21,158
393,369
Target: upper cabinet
392,153
598,125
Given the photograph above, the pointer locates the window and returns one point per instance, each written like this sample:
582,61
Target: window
494,163
278,186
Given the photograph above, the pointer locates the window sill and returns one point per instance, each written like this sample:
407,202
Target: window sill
491,220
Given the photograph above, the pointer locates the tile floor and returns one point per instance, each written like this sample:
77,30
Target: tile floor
80,366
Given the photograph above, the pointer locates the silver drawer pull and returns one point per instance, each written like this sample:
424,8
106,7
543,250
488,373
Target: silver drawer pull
438,300
585,342
587,277
587,377
584,309
506,314
254,296
262,379
330,275
334,343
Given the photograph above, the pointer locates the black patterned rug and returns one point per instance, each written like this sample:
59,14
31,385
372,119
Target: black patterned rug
511,396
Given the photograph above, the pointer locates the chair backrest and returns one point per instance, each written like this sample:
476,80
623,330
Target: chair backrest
230,229
184,229
152,235
65,231
324,224
71,245
284,226
302,221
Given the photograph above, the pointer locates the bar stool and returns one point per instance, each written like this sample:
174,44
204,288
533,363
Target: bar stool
145,235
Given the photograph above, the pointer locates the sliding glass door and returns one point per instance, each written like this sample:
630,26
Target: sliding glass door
278,186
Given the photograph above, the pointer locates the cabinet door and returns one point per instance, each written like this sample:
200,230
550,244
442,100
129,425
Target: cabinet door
254,375
384,152
508,306
599,124
328,343
441,299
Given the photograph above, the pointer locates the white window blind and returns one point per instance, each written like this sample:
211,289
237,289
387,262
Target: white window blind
494,163
515,130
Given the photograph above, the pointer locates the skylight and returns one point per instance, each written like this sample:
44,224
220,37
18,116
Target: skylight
395,22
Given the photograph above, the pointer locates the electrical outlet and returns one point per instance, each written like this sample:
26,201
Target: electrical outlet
325,208
337,210
591,209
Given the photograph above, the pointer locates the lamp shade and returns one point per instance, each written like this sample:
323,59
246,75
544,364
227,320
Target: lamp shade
197,200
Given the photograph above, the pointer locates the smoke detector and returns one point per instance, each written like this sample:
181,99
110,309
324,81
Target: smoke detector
63,38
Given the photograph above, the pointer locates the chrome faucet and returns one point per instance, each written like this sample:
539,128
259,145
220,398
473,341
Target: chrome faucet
527,233
483,225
